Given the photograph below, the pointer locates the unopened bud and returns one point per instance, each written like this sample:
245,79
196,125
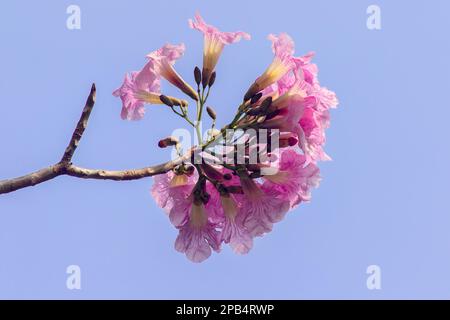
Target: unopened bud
254,88
206,74
211,112
288,139
197,75
166,142
212,79
256,97
165,99
266,103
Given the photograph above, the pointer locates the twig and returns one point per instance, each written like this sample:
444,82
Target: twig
65,167
81,126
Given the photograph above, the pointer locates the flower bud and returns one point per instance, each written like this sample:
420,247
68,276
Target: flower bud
205,78
287,139
165,99
211,112
256,97
166,142
197,75
212,79
266,103
253,90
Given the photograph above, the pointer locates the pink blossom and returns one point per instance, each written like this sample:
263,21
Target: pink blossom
259,209
307,70
283,48
234,232
312,134
294,178
161,63
169,188
242,201
302,80
214,43
144,86
198,235
197,223
144,80
288,112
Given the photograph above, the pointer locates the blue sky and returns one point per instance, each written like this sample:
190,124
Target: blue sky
383,199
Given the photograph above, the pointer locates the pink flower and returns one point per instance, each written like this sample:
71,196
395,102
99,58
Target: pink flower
169,188
234,232
145,81
260,210
214,43
161,63
144,86
198,236
283,48
244,200
196,222
302,80
288,110
312,134
307,70
294,179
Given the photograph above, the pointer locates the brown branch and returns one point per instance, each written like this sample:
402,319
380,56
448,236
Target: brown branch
31,179
124,175
65,167
81,126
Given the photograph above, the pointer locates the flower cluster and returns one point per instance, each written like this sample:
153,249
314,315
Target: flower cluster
282,121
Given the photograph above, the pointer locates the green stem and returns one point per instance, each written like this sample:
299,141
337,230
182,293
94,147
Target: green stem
183,115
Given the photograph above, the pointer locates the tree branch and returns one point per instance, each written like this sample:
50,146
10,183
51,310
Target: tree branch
81,126
65,167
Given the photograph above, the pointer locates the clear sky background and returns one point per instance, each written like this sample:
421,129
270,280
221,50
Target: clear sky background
383,199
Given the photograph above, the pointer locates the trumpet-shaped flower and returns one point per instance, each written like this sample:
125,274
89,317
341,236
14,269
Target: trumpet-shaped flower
144,80
170,187
161,63
214,43
283,48
198,235
144,86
